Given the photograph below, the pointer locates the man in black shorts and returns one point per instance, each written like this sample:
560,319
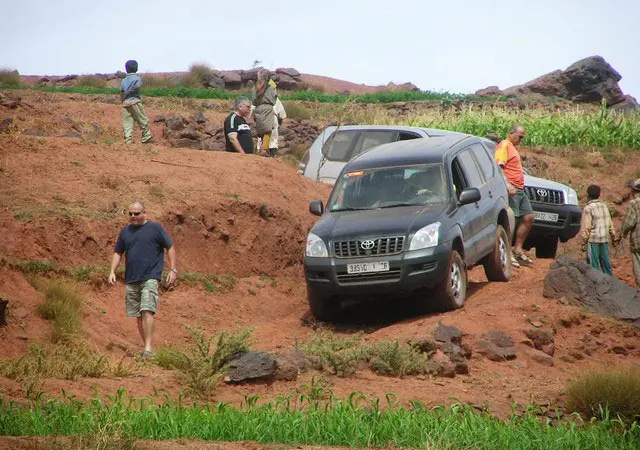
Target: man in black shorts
237,133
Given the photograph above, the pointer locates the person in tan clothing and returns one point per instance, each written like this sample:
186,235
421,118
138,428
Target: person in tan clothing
595,229
630,228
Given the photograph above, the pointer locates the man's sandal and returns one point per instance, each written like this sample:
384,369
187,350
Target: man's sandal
523,259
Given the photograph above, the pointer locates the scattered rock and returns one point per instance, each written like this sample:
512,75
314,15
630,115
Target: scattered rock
5,124
289,71
582,285
456,356
424,345
445,333
542,340
497,346
248,366
3,308
619,350
539,357
33,131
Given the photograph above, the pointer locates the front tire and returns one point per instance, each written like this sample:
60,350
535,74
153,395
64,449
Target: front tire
452,291
497,264
325,309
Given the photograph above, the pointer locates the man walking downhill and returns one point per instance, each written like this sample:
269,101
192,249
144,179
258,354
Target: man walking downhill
630,227
508,158
143,243
132,109
596,227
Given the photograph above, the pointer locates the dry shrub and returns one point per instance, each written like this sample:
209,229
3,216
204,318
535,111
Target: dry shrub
109,181
63,307
615,392
395,359
9,77
198,76
91,81
157,81
579,161
295,110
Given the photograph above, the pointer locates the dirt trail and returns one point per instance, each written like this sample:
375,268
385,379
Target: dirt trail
63,200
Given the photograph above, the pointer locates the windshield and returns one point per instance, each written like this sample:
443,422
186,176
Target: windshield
389,187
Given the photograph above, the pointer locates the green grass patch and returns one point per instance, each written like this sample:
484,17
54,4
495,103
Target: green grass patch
397,359
358,422
201,366
211,283
603,394
340,355
63,307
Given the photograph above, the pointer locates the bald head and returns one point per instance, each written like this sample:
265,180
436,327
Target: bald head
136,214
136,206
516,134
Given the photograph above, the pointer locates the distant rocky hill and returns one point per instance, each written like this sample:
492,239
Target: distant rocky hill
590,80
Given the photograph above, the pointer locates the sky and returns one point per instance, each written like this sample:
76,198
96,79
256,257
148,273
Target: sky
445,45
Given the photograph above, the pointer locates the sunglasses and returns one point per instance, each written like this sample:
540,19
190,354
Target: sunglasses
131,214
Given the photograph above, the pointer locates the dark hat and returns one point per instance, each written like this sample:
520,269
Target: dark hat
635,184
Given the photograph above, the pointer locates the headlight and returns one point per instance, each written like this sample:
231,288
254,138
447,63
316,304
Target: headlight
316,247
425,237
572,197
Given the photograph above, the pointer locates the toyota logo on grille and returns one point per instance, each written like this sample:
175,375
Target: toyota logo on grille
367,245
542,192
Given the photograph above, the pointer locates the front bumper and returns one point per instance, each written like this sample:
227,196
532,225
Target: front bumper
408,272
567,226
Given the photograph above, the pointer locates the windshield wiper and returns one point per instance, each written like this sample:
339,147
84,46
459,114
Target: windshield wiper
399,204
348,209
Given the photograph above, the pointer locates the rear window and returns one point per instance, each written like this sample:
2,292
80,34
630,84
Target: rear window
349,143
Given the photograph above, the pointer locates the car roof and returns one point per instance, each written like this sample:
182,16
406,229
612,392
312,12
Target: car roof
410,152
422,130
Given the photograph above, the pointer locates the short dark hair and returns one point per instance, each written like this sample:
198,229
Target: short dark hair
593,191
131,66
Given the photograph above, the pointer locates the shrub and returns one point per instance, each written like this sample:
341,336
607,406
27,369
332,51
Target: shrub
616,393
201,367
93,81
395,359
157,81
341,355
198,76
9,77
63,307
296,110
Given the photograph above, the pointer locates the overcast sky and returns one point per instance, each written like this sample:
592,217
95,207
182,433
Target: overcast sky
443,45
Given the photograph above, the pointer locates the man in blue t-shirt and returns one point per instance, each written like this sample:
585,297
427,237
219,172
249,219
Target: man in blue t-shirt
143,242
132,110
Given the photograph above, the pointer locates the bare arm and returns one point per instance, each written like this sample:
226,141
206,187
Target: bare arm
115,262
510,187
236,143
173,271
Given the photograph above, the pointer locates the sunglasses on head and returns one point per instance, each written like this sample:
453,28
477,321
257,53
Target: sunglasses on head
132,213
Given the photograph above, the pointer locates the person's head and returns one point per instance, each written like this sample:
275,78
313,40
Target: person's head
131,66
635,185
593,191
136,213
242,106
516,134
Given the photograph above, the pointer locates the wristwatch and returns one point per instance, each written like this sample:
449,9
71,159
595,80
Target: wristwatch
173,270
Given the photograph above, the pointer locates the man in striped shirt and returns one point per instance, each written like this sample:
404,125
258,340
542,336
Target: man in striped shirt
596,227
630,227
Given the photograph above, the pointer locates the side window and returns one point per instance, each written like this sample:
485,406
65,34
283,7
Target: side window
406,135
372,138
341,146
470,168
487,164
459,182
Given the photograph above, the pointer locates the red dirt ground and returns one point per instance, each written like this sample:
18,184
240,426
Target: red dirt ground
64,199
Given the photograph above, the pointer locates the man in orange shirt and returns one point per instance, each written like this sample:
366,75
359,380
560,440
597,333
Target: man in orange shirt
508,159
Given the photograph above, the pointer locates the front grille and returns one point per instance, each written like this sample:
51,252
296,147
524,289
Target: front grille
380,247
541,195
389,275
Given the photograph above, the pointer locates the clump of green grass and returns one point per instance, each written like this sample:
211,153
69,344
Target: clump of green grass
203,365
604,394
211,283
63,307
395,359
9,77
91,81
341,355
296,110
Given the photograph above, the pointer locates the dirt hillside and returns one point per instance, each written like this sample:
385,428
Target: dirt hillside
246,217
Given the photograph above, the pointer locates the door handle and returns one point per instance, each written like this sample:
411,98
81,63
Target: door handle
490,194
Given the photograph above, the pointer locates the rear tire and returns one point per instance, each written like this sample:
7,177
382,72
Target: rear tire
547,248
325,309
497,264
451,293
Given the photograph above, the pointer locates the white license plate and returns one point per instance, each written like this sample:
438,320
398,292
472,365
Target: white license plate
547,217
381,266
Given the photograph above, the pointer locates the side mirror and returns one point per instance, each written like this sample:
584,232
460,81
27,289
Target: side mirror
317,208
469,195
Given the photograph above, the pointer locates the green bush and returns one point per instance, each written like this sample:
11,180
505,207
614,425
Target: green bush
296,110
395,359
63,307
198,76
598,393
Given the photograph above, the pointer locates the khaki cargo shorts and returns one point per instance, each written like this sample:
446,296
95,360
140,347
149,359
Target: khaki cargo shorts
141,296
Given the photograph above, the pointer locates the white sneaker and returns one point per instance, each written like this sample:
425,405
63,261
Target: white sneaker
514,261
